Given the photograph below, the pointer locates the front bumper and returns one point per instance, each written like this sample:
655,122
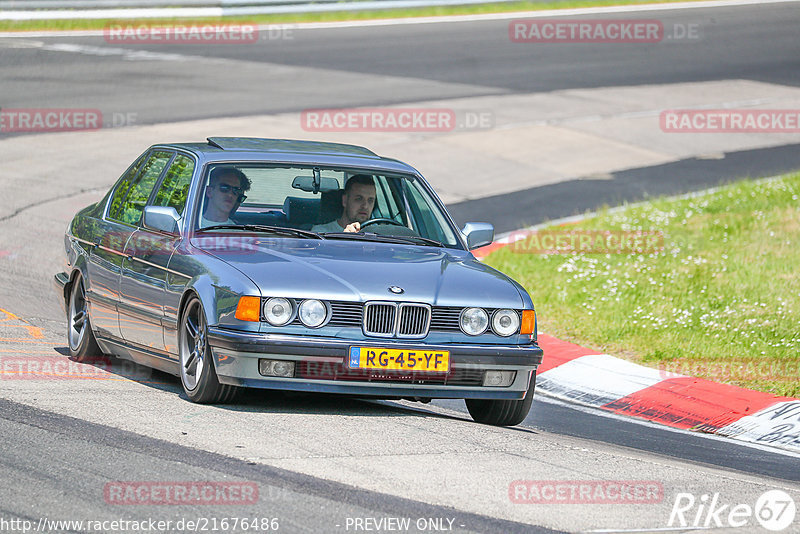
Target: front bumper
236,355
60,281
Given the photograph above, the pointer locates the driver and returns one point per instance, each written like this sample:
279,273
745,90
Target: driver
358,201
224,193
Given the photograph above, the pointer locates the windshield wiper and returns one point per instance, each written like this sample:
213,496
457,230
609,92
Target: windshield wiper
280,230
384,238
415,240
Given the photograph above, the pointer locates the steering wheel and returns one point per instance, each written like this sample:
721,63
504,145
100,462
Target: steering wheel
381,220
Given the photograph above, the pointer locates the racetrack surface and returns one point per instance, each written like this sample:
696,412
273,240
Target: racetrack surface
320,460
380,65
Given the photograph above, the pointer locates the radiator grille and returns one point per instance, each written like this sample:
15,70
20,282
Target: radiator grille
414,320
380,318
389,319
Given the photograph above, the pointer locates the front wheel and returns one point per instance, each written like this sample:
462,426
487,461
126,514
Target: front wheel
198,375
502,412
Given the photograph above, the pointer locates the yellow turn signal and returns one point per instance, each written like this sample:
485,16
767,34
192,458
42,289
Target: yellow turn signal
528,322
248,309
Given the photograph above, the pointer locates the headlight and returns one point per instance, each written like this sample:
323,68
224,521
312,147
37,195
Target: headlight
505,322
278,311
474,321
312,313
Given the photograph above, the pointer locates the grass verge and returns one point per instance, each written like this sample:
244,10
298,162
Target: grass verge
721,301
510,7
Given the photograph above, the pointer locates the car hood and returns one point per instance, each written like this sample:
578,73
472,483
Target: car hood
359,270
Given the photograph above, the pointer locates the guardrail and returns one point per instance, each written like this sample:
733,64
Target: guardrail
141,9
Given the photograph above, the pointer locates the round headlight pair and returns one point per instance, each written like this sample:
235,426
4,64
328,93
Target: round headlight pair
475,321
280,311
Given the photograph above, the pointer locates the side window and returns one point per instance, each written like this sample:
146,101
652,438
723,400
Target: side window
131,207
123,186
175,187
385,202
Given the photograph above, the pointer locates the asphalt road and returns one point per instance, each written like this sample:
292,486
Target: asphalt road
83,458
319,461
378,65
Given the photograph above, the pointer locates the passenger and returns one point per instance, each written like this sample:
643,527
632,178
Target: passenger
224,194
358,201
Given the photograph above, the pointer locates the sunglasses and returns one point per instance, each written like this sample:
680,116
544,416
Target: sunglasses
238,191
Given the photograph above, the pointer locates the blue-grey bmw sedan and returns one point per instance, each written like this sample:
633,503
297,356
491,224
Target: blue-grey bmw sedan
296,265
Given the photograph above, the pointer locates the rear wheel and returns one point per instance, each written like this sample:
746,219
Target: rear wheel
502,412
82,343
198,375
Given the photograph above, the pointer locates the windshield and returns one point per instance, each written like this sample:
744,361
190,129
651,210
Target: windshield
325,201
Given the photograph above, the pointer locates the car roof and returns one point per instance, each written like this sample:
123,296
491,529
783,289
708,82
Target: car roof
253,149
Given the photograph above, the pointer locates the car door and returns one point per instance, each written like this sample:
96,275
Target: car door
108,237
145,269
139,312
175,192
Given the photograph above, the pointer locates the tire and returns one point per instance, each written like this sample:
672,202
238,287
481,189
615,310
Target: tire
502,412
198,375
83,346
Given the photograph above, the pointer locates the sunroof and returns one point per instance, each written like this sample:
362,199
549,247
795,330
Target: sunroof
288,145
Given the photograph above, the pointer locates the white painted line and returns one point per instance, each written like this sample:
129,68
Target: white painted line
124,53
113,14
552,13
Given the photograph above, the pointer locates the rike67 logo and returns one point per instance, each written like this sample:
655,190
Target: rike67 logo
774,510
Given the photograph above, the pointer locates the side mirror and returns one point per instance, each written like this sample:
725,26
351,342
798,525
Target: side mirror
161,218
478,234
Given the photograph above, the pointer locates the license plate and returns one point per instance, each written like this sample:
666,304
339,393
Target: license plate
427,361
